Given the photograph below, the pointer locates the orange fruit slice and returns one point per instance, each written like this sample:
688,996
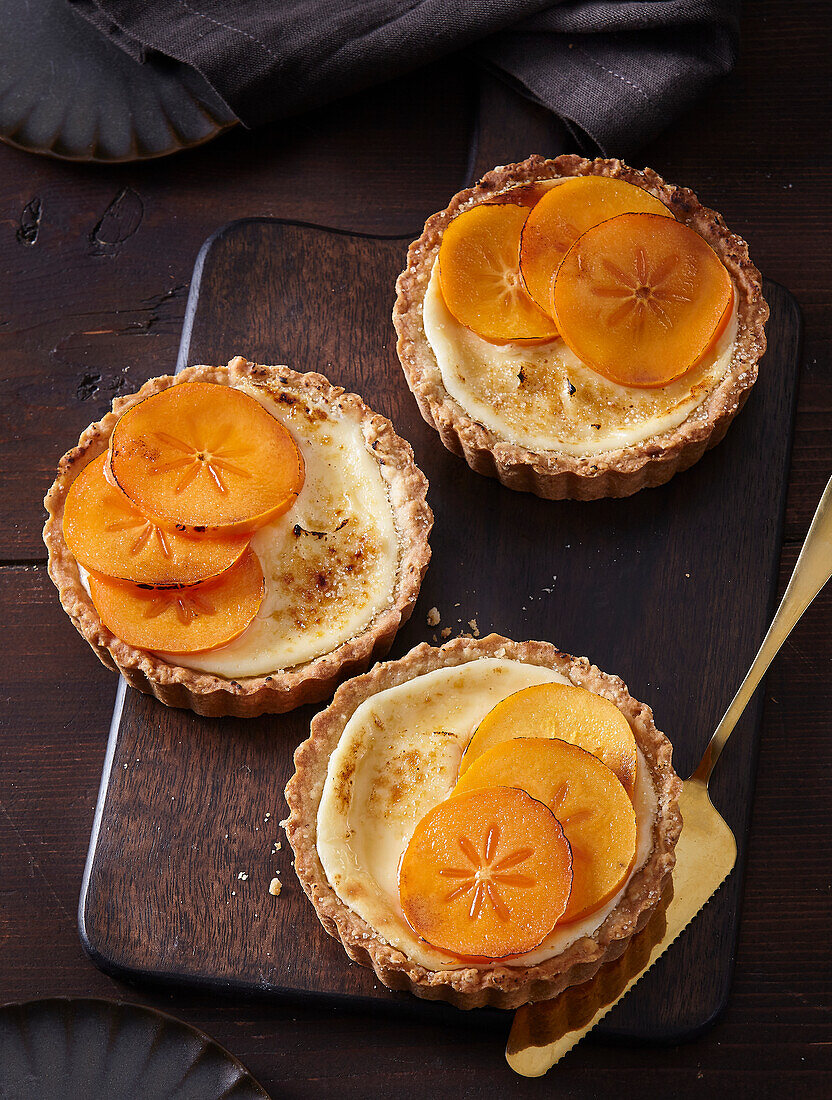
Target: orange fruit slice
486,875
583,794
569,713
641,299
525,194
565,212
107,534
479,272
204,457
181,620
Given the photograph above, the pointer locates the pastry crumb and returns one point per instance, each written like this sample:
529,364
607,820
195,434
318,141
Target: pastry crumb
433,616
474,628
445,632
275,886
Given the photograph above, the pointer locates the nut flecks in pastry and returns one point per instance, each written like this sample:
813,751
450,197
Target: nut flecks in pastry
544,398
399,756
330,562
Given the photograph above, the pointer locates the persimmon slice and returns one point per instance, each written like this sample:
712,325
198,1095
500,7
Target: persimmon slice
479,272
583,794
486,875
106,533
204,457
563,214
569,713
641,299
181,620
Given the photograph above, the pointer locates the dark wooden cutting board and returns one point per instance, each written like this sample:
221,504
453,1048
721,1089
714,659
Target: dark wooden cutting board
672,589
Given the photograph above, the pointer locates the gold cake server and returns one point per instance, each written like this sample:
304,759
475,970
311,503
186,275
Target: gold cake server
705,854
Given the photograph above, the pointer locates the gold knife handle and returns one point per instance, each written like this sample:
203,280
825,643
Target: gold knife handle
812,571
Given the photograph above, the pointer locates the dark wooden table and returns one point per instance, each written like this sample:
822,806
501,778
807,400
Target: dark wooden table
95,265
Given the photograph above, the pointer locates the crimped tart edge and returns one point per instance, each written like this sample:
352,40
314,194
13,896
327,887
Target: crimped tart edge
553,474
216,696
501,986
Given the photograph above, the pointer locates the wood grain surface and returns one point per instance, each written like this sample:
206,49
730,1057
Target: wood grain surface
183,849
92,301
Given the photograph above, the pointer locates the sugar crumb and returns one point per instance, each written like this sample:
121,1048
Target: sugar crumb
243,876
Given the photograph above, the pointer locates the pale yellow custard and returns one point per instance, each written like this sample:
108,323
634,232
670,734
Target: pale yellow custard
544,398
397,757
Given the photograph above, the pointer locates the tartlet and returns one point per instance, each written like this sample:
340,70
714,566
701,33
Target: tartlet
313,402
548,471
499,984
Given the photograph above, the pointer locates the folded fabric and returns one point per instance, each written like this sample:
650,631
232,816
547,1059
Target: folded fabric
616,71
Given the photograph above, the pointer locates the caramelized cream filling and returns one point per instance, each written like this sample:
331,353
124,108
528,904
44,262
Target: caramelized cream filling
544,398
398,757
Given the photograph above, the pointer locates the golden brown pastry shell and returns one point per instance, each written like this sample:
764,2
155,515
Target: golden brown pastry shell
205,693
555,475
501,986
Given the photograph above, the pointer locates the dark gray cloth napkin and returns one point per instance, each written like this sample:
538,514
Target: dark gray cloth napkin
616,71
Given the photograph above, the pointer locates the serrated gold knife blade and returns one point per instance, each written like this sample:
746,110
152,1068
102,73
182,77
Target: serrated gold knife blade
705,855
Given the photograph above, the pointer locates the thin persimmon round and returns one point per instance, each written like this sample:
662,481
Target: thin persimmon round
486,875
584,795
641,299
563,214
181,620
568,713
479,273
107,534
201,457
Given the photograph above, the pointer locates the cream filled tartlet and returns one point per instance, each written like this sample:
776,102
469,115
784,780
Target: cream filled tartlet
485,823
238,539
579,329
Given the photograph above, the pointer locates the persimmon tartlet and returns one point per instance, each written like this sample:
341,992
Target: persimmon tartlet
485,823
577,328
238,539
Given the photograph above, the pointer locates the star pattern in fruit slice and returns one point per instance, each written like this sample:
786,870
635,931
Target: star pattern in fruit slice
107,534
202,457
186,605
145,531
483,878
510,886
195,460
641,289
